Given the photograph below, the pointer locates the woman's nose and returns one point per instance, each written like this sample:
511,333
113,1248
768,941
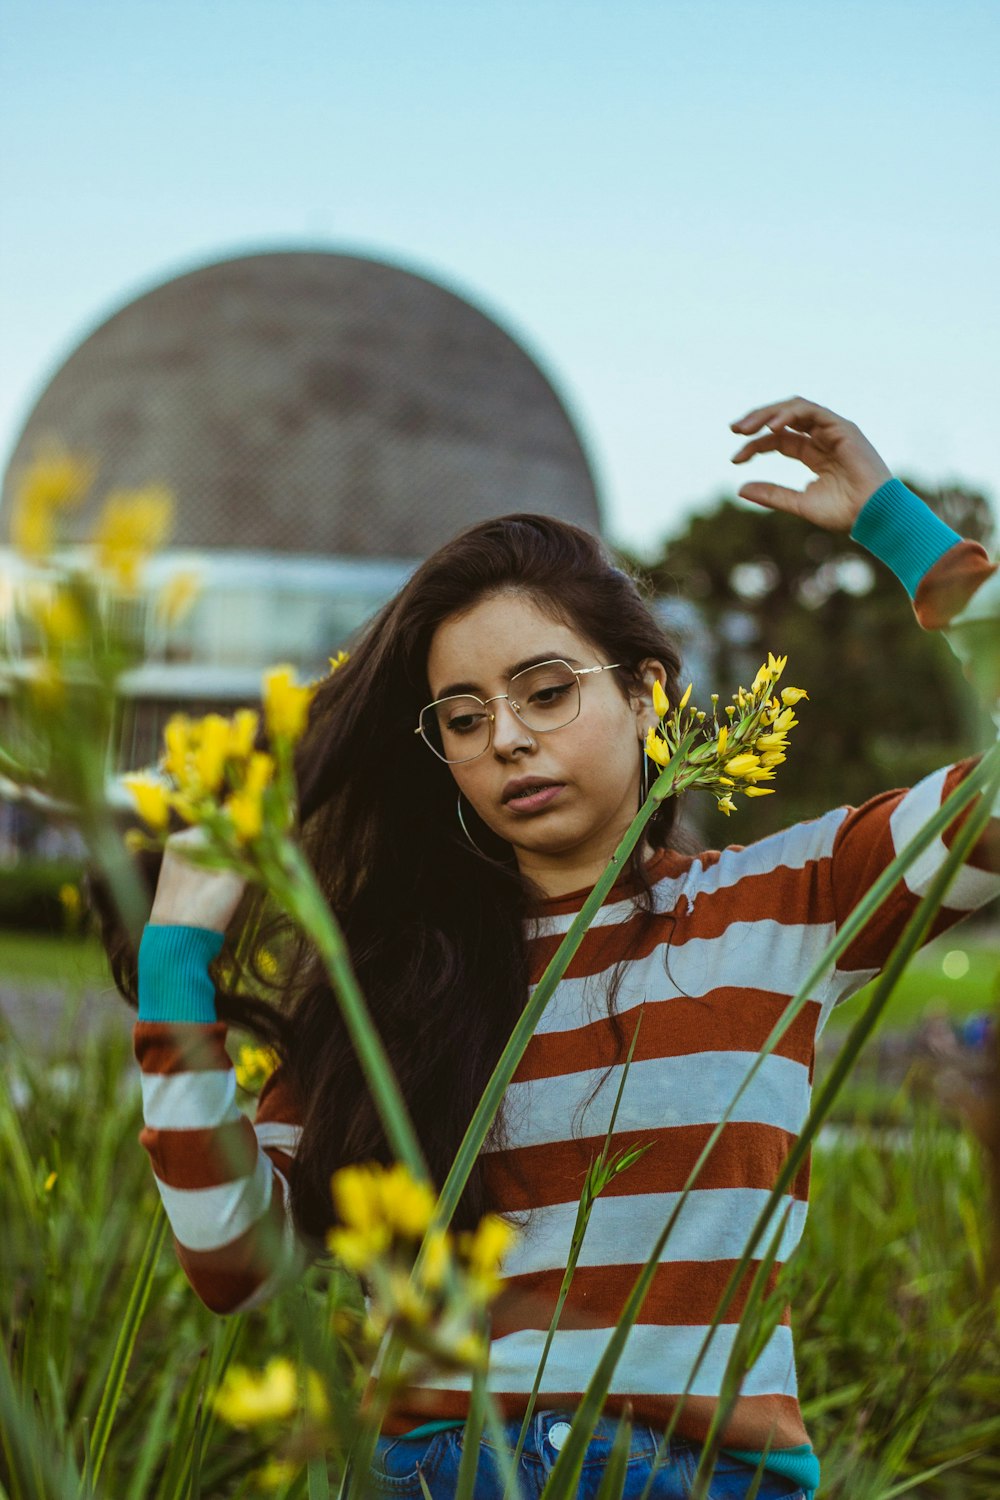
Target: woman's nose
509,732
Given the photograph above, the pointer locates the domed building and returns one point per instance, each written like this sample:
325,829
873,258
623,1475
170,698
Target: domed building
324,422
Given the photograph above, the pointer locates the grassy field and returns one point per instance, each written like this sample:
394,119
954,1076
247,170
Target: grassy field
30,959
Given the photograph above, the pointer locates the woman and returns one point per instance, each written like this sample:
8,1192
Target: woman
454,841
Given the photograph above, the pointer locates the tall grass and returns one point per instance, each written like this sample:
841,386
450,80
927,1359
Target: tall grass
898,1334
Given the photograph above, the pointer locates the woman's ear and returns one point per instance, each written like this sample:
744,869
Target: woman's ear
642,698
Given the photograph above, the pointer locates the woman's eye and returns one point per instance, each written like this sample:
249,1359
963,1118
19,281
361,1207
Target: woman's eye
464,723
546,697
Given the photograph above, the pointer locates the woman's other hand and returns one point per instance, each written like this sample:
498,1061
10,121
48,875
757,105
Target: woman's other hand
848,469
188,895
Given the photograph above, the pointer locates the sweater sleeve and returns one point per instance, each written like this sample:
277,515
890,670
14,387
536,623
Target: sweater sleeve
953,584
223,1180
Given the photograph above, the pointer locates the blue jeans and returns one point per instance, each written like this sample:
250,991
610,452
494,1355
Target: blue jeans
394,1469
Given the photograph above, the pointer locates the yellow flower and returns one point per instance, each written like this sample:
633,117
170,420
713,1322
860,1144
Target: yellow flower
254,1066
151,798
762,680
437,1256
726,804
60,619
286,703
177,737
213,747
50,1181
758,791
243,732
317,1404
741,764
687,693
55,478
786,720
656,748
471,1349
32,532
185,807
726,781
69,897
132,524
266,962
260,769
720,745
356,1195
773,741
487,1247
791,695
247,813
773,758
276,1473
730,709
177,596
661,703
245,1399
357,1248
340,660
776,665
407,1301
408,1205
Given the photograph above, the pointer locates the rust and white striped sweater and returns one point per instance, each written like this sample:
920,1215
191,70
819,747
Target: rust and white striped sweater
733,935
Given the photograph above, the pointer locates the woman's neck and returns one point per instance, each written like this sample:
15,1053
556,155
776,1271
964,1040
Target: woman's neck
554,879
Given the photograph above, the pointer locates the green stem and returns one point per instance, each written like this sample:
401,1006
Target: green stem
110,855
307,904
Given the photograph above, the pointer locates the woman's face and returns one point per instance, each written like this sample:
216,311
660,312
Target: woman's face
565,841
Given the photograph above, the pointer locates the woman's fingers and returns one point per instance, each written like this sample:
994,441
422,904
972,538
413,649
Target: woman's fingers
808,416
773,497
791,444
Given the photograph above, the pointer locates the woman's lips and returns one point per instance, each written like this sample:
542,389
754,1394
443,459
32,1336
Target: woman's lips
534,800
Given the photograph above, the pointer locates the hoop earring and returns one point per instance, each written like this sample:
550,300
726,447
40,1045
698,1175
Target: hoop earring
468,835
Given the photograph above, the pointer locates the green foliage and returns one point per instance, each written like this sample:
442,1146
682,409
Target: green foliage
887,701
29,894
897,1330
898,1339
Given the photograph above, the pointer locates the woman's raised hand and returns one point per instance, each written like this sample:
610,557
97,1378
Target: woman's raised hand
848,469
189,895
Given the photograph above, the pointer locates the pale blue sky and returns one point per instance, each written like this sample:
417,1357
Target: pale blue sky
684,207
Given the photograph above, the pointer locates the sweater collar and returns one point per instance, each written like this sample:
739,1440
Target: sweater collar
663,862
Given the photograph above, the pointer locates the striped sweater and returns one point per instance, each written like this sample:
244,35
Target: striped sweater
732,936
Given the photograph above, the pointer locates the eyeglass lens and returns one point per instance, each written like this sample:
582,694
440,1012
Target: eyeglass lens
545,697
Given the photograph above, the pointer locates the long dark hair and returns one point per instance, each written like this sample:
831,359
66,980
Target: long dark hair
435,931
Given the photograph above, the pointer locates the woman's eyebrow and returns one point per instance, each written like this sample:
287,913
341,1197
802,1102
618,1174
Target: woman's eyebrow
454,688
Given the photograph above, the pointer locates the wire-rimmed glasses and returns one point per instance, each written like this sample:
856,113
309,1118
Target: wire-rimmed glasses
544,697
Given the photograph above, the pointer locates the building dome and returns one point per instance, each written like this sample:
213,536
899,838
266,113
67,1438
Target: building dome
317,404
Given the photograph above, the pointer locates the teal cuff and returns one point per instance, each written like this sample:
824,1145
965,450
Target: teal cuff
174,983
799,1464
897,527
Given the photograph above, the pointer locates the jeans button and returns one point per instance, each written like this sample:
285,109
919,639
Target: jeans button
558,1433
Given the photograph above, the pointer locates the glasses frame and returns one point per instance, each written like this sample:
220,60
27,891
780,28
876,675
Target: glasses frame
552,661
